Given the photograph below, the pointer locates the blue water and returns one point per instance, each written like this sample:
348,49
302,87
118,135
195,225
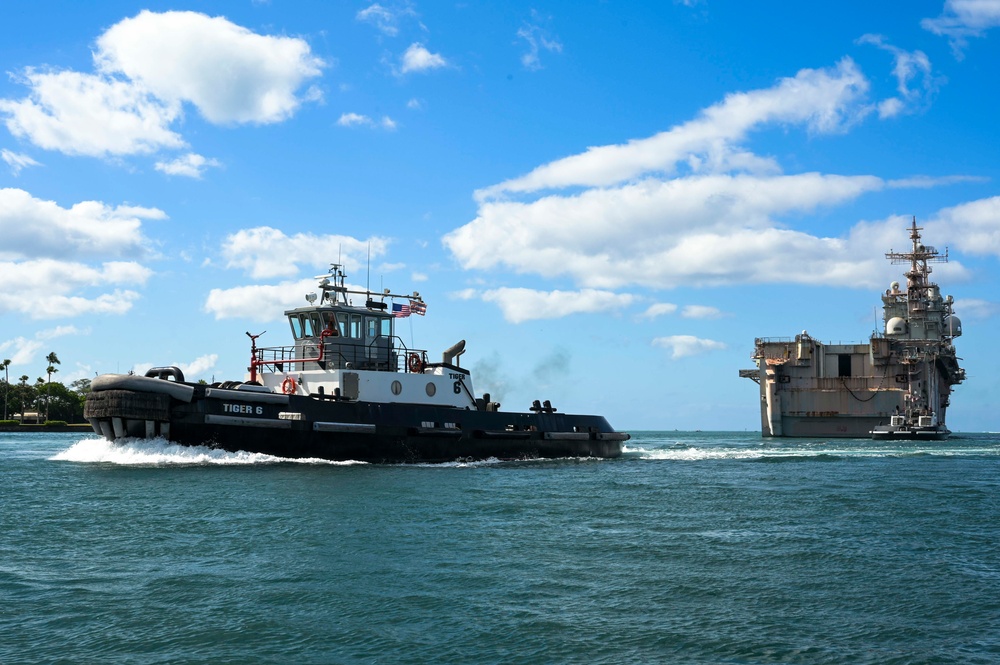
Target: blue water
691,548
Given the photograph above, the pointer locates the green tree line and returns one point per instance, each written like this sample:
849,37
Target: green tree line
50,399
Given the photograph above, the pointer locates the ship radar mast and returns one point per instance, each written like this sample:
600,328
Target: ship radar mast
917,277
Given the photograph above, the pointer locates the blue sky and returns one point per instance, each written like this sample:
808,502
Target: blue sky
608,200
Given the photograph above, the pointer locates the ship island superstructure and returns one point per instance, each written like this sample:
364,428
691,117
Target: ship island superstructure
897,386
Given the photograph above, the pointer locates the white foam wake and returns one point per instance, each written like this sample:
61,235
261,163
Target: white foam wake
694,453
159,451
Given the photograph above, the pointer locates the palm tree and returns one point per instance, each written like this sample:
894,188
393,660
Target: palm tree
53,360
48,388
6,385
24,389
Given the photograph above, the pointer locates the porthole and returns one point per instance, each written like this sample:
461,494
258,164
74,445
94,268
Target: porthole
431,389
397,387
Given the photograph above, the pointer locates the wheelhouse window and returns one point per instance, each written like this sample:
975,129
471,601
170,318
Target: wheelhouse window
330,323
307,326
356,326
296,324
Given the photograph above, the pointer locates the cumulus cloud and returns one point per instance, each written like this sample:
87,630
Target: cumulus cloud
519,304
264,252
682,346
190,165
147,68
258,302
84,114
252,78
962,19
699,230
49,289
970,227
23,351
35,228
194,370
690,206
418,59
17,161
44,269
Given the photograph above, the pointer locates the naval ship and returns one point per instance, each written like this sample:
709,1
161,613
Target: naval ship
897,386
348,389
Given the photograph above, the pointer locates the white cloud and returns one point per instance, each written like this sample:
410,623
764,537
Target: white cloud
682,346
690,206
148,67
359,120
961,19
23,351
822,100
190,165
252,78
418,59
537,38
83,114
48,289
44,246
704,230
354,120
33,228
519,305
659,309
194,370
386,19
17,161
975,309
907,66
970,227
701,312
260,302
264,252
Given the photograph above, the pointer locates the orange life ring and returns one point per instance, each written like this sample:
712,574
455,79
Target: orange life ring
288,385
416,364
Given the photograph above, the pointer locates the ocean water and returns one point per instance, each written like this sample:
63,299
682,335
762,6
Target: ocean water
694,547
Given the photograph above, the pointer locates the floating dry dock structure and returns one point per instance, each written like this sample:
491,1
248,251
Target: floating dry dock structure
347,389
897,386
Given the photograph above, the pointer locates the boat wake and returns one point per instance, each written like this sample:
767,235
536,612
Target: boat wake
814,451
160,452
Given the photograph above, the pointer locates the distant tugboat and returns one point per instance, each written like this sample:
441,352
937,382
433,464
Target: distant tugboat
895,387
349,389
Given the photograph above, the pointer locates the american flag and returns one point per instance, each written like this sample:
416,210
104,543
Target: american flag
418,307
400,311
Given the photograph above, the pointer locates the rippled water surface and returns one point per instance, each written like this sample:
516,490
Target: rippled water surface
692,548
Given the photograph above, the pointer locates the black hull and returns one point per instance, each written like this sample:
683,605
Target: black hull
313,427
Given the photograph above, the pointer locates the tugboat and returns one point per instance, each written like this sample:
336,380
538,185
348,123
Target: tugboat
897,386
348,389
